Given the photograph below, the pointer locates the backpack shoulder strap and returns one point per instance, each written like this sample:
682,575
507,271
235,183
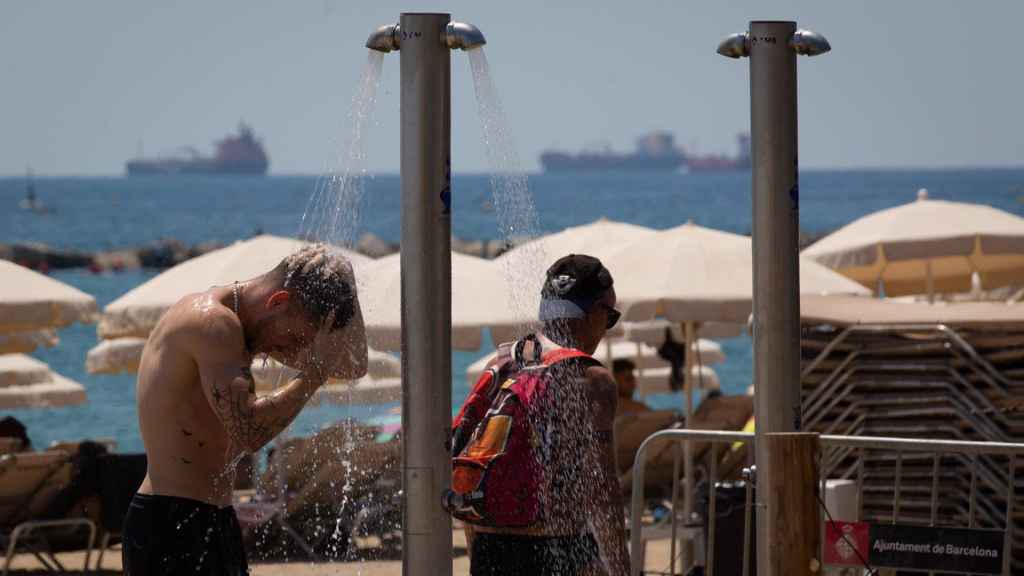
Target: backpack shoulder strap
562,354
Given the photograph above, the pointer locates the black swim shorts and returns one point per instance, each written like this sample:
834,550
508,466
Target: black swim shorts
515,555
165,536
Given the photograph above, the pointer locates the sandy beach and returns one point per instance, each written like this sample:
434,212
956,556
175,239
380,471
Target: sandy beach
24,564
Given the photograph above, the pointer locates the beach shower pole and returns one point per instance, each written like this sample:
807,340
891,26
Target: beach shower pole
425,42
772,48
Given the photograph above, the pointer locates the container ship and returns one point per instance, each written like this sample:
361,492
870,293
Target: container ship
655,152
240,153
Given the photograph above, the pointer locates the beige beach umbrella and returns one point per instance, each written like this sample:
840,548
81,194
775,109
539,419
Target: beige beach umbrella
138,311
26,342
31,301
927,246
696,274
28,383
481,298
690,274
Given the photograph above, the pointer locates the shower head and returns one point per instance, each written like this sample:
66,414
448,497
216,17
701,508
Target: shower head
735,46
809,43
384,38
463,36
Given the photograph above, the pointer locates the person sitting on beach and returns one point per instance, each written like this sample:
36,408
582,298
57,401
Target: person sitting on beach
625,379
198,412
582,529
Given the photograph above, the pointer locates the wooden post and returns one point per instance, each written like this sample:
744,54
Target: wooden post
790,476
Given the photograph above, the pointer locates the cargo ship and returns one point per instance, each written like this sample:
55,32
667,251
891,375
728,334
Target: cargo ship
240,153
655,152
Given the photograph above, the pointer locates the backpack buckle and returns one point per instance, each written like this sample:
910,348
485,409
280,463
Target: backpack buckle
520,348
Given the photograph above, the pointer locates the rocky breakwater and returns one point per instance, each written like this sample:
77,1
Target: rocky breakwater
170,252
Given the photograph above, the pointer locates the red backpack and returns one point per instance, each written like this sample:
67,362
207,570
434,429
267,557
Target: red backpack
497,475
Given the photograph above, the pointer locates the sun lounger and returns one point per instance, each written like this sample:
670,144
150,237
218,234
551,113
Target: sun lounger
28,482
322,491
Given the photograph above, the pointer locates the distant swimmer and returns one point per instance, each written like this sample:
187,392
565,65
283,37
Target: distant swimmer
198,411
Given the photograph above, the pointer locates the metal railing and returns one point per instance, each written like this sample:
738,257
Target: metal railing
852,447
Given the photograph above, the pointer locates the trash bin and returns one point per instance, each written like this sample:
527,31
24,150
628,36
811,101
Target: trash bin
730,499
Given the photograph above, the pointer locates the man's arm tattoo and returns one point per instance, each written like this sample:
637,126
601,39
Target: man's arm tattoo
239,413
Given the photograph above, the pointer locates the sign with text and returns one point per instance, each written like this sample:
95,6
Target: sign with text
843,542
931,548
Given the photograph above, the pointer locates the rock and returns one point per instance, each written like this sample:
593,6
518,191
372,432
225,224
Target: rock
468,247
117,260
41,256
163,254
204,247
496,248
374,246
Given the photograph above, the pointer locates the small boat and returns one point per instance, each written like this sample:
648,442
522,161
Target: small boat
31,202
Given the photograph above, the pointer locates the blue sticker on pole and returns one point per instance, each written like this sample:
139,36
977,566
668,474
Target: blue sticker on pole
446,190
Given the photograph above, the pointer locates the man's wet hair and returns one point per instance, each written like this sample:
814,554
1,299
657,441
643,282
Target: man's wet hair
622,365
321,280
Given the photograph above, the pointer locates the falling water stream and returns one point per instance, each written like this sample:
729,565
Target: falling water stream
513,203
524,270
332,216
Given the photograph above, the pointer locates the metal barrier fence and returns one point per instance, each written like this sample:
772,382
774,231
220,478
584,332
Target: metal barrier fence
842,457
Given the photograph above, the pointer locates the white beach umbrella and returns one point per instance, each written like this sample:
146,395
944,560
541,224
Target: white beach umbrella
927,246
481,298
119,355
31,301
115,356
600,239
657,381
138,311
381,385
28,383
652,332
524,266
644,357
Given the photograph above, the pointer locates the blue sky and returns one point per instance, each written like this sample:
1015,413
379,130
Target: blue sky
910,83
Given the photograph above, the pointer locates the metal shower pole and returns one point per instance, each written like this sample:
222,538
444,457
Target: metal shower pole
425,42
772,48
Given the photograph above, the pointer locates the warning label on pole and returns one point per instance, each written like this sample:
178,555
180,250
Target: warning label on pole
930,548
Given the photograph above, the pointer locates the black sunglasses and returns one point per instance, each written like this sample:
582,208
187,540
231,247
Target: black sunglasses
613,316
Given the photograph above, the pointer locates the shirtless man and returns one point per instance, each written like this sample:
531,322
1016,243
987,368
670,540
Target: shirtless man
582,531
625,377
198,411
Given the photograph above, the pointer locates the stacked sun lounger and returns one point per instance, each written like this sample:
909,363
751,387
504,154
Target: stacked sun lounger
880,368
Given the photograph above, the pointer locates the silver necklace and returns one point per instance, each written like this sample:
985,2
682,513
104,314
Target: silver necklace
234,290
